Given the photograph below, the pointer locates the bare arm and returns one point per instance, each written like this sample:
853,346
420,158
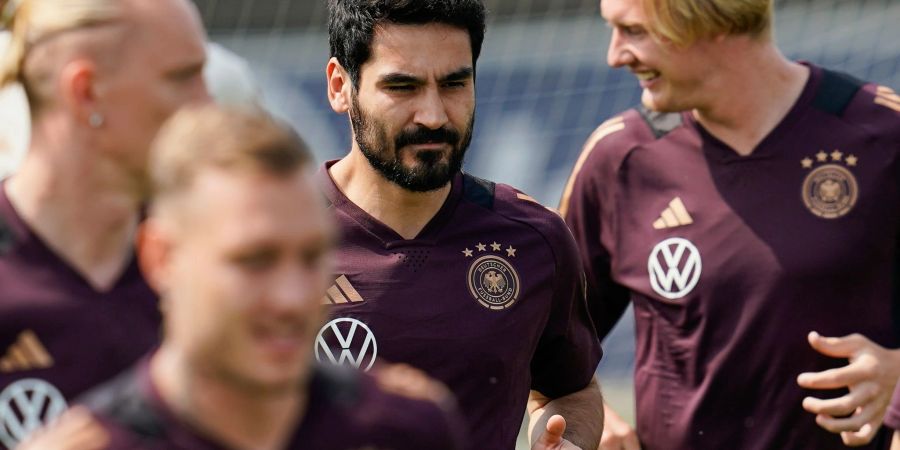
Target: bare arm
583,413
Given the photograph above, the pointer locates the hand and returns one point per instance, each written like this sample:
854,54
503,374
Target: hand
870,376
552,438
75,429
617,434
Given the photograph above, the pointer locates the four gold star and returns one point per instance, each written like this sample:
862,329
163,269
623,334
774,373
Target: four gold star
836,156
510,251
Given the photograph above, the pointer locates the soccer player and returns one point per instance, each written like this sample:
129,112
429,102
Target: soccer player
471,281
750,204
100,76
238,244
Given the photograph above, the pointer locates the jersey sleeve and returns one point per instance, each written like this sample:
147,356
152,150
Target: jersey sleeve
568,351
582,208
877,108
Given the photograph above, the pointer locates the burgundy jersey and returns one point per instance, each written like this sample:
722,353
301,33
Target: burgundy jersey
346,410
58,335
488,299
730,261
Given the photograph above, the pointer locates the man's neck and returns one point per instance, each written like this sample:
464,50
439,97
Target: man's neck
231,415
404,211
751,94
84,210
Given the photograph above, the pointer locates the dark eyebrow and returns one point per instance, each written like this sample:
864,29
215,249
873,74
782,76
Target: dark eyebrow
400,78
462,74
188,71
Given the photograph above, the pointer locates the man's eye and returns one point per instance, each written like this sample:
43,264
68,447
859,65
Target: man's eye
255,261
312,258
455,84
400,87
633,31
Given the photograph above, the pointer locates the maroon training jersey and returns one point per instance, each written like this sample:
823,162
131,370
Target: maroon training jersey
59,336
730,261
346,410
488,299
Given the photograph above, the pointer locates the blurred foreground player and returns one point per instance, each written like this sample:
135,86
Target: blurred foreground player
238,244
100,76
472,282
750,204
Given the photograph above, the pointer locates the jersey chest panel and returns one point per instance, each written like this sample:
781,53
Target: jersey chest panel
472,306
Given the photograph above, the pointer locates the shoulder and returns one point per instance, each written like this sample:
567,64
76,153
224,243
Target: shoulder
877,109
122,406
515,206
606,149
613,140
864,105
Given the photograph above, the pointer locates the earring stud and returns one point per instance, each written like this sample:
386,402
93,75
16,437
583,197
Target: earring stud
95,120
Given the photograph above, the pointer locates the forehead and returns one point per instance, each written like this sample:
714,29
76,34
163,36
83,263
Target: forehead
622,11
243,204
171,29
419,49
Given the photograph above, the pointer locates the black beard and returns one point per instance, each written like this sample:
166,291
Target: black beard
431,172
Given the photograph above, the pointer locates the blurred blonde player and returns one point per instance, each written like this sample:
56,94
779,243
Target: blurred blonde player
229,79
101,76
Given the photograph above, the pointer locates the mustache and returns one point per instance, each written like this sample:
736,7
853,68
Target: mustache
423,135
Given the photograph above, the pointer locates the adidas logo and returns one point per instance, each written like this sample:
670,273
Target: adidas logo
27,353
675,215
887,97
341,292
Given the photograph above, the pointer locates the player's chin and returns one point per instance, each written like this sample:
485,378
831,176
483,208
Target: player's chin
421,157
658,102
279,377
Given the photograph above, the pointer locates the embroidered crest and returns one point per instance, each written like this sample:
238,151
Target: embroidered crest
830,190
492,280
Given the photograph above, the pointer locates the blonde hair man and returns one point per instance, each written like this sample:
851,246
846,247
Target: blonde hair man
749,204
100,76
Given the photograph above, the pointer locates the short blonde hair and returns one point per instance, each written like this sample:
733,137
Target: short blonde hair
215,137
684,22
34,21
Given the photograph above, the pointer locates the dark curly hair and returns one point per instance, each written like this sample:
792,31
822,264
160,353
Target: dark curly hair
351,24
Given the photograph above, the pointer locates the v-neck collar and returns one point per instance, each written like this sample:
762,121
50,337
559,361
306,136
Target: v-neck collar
718,151
386,234
36,249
